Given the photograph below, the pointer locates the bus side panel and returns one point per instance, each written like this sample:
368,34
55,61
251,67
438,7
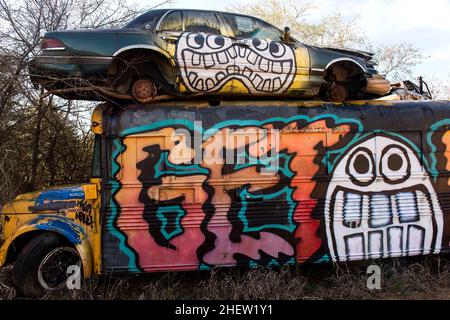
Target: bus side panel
193,189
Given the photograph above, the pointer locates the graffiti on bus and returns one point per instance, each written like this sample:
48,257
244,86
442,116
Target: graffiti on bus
377,207
339,194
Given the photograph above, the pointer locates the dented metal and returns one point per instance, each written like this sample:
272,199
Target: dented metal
63,210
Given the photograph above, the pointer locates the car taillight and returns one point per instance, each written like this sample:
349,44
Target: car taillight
52,44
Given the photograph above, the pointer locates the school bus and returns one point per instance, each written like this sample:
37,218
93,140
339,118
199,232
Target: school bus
192,185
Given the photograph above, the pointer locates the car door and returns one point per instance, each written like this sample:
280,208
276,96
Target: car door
169,30
205,54
265,65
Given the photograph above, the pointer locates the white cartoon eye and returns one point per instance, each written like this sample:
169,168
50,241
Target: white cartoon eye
215,42
195,40
260,45
395,166
277,49
360,167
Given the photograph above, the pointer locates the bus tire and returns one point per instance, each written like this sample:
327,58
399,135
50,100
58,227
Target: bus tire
41,265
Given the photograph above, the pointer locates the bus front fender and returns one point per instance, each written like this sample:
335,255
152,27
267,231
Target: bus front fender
62,226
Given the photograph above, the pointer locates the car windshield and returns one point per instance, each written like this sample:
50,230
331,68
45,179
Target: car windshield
151,17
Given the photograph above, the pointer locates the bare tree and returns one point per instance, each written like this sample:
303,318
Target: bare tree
290,13
332,30
395,61
439,86
46,139
398,61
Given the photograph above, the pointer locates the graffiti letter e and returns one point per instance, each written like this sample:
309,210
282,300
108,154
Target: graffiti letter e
74,278
374,280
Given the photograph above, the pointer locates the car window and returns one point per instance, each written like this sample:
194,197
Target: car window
172,22
247,27
151,18
201,22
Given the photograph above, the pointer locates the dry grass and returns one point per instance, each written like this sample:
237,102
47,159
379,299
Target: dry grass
408,278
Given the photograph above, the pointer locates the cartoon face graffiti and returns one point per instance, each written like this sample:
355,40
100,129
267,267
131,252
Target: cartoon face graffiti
208,62
381,203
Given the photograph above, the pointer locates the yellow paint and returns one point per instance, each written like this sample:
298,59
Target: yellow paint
227,87
17,220
299,84
181,87
171,49
236,86
301,79
87,257
302,59
95,236
96,121
90,191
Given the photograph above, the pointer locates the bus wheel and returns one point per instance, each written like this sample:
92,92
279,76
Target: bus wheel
43,264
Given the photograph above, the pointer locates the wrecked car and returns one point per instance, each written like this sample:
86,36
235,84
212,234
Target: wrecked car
187,53
408,90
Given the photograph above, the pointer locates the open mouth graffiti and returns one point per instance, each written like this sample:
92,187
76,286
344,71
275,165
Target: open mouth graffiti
380,203
207,62
398,220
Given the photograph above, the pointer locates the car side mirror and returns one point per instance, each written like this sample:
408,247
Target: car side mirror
286,34
422,86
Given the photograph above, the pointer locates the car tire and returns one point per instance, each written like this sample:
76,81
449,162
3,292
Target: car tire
143,91
32,275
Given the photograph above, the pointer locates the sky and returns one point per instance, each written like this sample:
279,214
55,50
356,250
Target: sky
424,23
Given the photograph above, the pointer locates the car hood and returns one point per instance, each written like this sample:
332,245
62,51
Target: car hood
362,54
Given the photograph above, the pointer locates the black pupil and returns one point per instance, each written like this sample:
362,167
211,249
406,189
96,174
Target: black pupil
256,42
274,47
219,41
199,39
395,162
361,164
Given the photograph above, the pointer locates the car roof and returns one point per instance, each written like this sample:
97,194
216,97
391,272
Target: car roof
165,10
204,10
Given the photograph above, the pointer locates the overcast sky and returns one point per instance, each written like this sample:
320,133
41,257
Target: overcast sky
425,23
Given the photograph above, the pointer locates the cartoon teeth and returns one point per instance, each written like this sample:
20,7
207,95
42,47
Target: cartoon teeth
207,68
381,203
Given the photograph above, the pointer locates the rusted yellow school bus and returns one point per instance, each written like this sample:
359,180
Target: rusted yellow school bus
191,186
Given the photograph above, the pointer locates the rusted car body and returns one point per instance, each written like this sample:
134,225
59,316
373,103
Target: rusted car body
408,90
193,52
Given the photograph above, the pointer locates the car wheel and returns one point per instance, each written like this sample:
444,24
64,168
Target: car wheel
143,91
42,265
336,93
